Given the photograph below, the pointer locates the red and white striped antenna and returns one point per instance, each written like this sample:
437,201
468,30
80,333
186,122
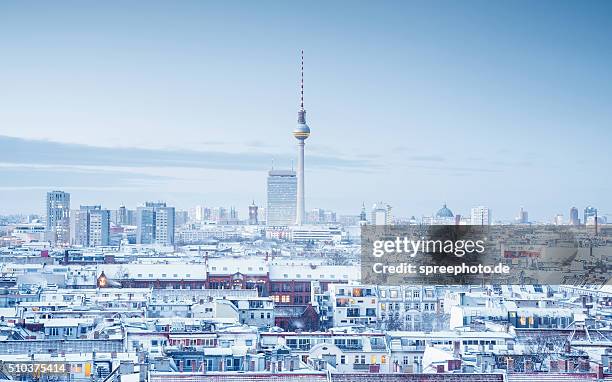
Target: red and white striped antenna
302,84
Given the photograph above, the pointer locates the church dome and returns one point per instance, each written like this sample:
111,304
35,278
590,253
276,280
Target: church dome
444,212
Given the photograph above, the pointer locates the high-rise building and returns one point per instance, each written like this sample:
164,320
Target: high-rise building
523,217
558,220
253,218
164,225
381,214
156,224
590,213
316,216
58,217
233,215
219,215
92,226
573,216
198,213
330,217
181,218
301,133
282,198
80,225
145,222
480,215
99,227
122,216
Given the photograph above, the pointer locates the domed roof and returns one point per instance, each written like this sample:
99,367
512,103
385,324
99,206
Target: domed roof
444,212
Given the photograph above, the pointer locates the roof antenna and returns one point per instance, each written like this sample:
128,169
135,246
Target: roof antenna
302,83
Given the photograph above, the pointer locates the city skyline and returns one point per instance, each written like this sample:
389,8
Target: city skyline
396,119
282,202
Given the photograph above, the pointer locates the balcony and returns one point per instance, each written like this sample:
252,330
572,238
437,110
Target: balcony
370,367
357,346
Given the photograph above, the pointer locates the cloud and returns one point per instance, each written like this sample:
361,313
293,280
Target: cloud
32,151
22,177
427,158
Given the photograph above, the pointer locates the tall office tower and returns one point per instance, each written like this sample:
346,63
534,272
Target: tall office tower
219,215
480,215
122,216
573,216
99,227
590,213
282,191
131,217
316,216
164,225
156,223
253,218
92,226
198,213
58,217
80,224
558,220
145,222
301,133
330,217
381,214
523,217
181,218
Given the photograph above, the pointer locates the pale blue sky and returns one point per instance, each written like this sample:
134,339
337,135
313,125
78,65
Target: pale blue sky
413,103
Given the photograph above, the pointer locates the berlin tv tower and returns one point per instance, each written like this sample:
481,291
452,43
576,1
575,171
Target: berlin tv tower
301,133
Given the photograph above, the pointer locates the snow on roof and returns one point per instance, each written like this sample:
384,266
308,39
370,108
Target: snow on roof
448,334
218,351
435,356
8,312
66,322
232,265
177,271
315,272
